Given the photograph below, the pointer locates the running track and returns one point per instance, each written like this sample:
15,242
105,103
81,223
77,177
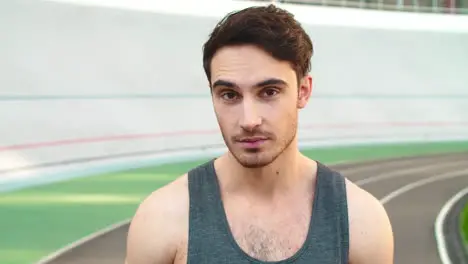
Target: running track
413,190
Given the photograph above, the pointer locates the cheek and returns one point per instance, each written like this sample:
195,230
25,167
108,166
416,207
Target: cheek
287,121
282,112
225,118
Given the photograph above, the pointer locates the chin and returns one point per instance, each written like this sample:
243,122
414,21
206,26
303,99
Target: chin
254,160
251,164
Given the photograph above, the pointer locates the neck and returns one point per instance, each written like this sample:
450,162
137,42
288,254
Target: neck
281,175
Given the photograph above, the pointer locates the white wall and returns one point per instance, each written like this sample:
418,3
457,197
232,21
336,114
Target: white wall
87,82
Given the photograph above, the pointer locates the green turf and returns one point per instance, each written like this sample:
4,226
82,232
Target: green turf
37,221
464,224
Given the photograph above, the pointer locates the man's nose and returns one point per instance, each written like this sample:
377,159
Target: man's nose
251,118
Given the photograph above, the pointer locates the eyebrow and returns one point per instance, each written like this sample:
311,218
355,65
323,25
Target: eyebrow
270,81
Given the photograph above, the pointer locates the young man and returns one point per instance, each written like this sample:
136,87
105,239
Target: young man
262,201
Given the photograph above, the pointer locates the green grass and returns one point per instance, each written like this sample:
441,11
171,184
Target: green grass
39,220
464,224
369,152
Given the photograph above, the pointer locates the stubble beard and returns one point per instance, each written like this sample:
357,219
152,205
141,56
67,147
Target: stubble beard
259,158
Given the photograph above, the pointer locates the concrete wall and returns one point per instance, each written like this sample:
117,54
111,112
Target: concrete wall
82,83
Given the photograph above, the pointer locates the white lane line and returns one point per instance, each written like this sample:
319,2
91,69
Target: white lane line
406,172
81,241
411,186
439,234
439,225
379,165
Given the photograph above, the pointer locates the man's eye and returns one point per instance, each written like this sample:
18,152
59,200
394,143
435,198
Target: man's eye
229,95
269,92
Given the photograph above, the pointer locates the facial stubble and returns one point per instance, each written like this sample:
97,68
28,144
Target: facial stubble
263,156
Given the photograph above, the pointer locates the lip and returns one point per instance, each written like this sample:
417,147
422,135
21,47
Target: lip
252,142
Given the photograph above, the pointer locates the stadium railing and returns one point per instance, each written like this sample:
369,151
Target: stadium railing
425,6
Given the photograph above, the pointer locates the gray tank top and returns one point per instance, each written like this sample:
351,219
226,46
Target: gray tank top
211,242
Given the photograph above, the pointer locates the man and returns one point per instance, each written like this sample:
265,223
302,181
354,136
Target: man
262,201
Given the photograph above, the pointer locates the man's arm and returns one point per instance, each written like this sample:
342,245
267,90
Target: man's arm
158,226
371,235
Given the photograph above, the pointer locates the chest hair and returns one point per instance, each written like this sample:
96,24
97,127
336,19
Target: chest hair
272,238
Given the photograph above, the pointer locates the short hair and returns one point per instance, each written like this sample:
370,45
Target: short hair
270,28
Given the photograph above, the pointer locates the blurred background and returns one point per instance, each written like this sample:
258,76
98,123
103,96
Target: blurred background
431,6
103,102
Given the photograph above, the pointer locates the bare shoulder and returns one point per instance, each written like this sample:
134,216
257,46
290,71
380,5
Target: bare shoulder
160,225
371,235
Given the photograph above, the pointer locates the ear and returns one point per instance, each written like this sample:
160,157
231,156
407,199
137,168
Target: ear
305,91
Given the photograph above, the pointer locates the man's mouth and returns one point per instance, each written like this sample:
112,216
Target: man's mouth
252,142
252,139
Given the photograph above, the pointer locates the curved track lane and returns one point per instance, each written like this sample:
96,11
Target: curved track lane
413,190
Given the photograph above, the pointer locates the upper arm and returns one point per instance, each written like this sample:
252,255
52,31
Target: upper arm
371,235
157,227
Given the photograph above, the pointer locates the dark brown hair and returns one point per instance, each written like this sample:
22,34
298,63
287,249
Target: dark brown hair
270,28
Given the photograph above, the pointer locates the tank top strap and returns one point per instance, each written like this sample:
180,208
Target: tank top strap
205,218
330,225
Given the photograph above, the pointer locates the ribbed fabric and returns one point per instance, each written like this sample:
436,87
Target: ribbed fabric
211,242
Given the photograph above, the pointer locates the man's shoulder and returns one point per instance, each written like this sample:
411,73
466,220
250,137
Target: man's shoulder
159,224
357,196
362,203
170,199
370,228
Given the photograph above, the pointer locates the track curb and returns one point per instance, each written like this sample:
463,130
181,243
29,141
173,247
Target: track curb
447,232
82,241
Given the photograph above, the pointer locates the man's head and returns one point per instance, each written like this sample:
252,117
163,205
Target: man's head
257,62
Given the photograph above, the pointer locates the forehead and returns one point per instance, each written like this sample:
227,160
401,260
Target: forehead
246,65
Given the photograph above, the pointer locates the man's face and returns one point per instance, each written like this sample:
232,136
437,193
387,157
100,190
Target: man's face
256,100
